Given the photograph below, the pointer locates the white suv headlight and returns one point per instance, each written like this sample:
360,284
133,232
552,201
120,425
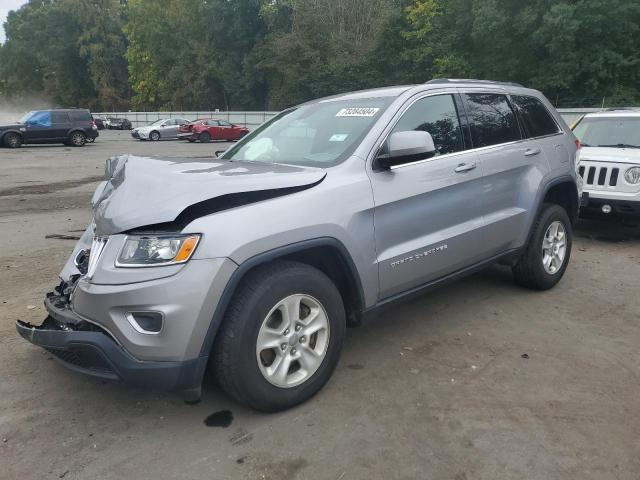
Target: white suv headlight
157,250
632,175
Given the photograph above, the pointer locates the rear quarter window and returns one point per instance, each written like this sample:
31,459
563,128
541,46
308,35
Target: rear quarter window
536,119
80,116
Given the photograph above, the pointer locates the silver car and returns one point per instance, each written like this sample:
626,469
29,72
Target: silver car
251,266
165,128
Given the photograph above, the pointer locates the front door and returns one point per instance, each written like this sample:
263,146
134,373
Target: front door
428,217
38,128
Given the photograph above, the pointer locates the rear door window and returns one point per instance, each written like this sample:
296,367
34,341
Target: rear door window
535,117
438,116
59,117
80,116
491,119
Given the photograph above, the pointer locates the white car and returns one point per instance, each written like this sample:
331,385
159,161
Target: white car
160,129
609,162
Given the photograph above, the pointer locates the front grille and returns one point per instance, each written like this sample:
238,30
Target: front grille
97,246
602,176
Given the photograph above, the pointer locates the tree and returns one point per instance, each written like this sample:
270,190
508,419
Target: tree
69,52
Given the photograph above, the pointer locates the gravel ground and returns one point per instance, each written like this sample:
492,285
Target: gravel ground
480,379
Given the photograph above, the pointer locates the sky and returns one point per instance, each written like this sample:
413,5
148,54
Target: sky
5,6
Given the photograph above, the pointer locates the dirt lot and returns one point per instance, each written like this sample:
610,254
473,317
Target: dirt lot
480,379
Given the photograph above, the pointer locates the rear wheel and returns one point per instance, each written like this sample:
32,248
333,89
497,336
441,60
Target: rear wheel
77,139
154,136
281,337
547,255
12,140
204,137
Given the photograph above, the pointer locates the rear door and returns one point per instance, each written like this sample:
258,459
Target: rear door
428,218
513,168
60,125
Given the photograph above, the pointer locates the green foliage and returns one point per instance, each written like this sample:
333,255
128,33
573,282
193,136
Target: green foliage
69,52
269,54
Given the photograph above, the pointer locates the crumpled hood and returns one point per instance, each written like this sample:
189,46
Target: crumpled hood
608,154
142,191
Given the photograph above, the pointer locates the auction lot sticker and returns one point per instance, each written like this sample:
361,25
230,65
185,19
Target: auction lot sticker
357,112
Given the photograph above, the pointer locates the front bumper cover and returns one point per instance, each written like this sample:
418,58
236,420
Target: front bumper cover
87,348
621,207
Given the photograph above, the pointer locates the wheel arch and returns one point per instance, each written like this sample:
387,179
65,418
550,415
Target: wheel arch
564,192
561,191
327,254
6,132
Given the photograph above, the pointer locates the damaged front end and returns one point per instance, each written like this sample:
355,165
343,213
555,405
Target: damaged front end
88,348
79,344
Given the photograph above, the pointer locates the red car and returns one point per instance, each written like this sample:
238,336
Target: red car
211,129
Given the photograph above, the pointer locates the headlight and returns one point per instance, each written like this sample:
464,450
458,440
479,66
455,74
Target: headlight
632,175
156,250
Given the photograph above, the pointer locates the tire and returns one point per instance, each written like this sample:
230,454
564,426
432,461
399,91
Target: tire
12,140
154,136
531,271
238,362
77,139
204,137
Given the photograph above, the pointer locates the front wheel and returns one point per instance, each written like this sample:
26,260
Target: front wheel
154,136
204,137
546,257
12,140
281,337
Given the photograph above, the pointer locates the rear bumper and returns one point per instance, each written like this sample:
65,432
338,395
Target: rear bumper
87,348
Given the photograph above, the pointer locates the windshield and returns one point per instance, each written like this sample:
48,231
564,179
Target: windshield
158,122
321,134
622,132
27,116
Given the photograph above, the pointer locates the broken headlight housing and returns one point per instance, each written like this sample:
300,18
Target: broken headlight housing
156,250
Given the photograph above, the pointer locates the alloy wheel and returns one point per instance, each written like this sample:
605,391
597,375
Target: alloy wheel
292,341
554,247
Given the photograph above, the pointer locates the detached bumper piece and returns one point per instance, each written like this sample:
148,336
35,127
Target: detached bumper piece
87,348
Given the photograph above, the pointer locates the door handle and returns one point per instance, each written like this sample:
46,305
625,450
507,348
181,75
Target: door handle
465,167
530,152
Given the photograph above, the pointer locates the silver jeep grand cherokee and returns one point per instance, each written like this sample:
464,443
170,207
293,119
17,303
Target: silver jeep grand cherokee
253,264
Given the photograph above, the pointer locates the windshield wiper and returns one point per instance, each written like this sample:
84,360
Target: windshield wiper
621,145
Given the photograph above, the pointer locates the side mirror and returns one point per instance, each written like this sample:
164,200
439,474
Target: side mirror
406,147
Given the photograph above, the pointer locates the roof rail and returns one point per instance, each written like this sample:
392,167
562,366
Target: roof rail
471,80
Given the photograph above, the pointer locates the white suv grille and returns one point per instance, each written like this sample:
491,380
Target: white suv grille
599,176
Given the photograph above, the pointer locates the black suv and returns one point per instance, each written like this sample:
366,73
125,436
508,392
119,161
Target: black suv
72,127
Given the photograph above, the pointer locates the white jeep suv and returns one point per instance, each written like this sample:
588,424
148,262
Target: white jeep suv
609,160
